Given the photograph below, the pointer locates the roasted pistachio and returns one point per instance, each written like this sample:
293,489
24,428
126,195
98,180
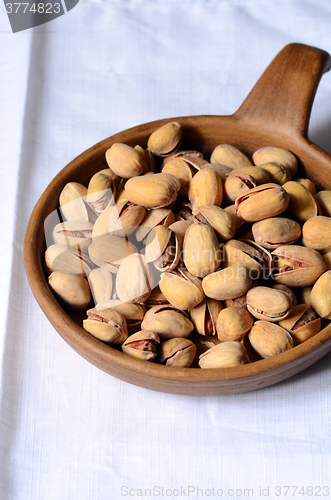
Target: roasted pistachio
316,233
124,160
269,304
320,297
182,289
156,298
163,248
153,191
236,185
255,258
262,202
110,250
327,259
74,234
269,339
134,280
182,171
101,283
259,175
233,323
133,313
228,283
302,323
276,231
142,345
166,139
287,290
177,352
224,355
100,192
72,203
124,218
230,156
279,155
303,295
302,205
206,188
66,260
106,325
221,170
221,221
204,316
153,218
71,289
277,172
201,251
323,199
308,184
167,321
179,228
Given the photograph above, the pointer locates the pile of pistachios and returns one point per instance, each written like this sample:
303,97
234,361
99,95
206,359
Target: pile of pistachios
186,261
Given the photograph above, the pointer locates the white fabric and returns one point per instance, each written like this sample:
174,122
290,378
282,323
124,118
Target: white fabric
69,431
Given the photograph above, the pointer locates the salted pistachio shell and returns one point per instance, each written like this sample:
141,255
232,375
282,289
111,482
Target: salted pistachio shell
153,191
177,352
167,321
302,323
269,304
262,202
255,258
269,339
153,218
221,170
206,188
190,155
276,231
110,250
224,355
101,283
241,225
233,323
124,218
279,155
156,298
166,139
63,259
201,251
236,185
71,201
237,302
73,234
106,325
303,295
134,280
323,199
288,290
320,297
182,171
316,233
220,220
228,283
133,313
100,227
204,316
146,157
100,192
258,174
72,290
179,228
182,289
302,205
124,160
308,184
230,156
277,172
297,266
142,345
163,248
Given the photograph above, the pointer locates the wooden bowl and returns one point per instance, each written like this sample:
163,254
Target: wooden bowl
275,113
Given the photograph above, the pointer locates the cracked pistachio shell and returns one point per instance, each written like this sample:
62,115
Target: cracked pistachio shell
276,231
204,316
201,251
181,289
179,228
277,172
101,283
153,218
100,192
134,280
142,345
316,233
224,355
236,185
124,218
221,170
231,157
258,174
269,304
121,196
279,155
153,191
320,296
308,184
255,258
74,234
323,199
206,188
177,352
241,225
72,290
124,160
238,302
63,259
165,140
287,290
167,321
193,158
106,325
303,295
221,221
269,339
302,323
182,171
147,158
262,202
302,205
228,283
233,323
163,248
156,298
133,313
110,250
114,177
297,266
71,201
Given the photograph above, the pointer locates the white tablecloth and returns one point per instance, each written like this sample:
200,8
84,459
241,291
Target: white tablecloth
69,431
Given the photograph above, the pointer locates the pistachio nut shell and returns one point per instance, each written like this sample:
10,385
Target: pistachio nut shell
100,227
182,171
262,202
133,313
323,199
124,160
269,339
72,290
134,280
236,185
166,139
163,248
73,234
233,323
221,170
153,191
124,219
220,220
302,205
109,249
142,345
308,184
156,298
241,225
107,325
182,289
100,192
189,155
303,295
259,175
276,231
228,283
178,352
316,233
101,283
63,259
204,316
153,218
320,297
230,156
327,259
287,290
278,155
206,188
71,201
201,251
247,253
224,355
179,228
302,323
269,304
167,322
277,172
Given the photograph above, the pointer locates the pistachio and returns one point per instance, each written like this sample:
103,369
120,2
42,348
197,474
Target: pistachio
147,158
327,259
276,231
233,323
237,302
124,160
201,252
100,227
302,205
320,297
288,291
163,248
228,283
236,185
66,260
110,250
182,171
72,203
269,304
142,345
124,218
121,195
73,234
204,316
100,192
156,298
167,321
303,295
134,280
177,352
133,313
297,266
241,225
153,191
255,258
316,233
224,355
221,221
153,218
206,188
101,283
182,289
302,323
179,228
277,172
194,158
279,155
323,199
269,339
72,290
166,139
106,325
230,156
258,174
221,170
308,184
262,202
185,212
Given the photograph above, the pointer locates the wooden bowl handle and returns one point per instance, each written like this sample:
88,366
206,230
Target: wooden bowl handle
282,98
